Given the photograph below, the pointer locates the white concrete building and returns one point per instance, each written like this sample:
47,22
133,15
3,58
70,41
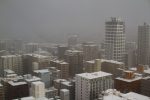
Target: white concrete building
38,89
115,39
64,94
12,62
90,85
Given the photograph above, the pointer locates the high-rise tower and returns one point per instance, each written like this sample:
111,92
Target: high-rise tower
144,44
115,39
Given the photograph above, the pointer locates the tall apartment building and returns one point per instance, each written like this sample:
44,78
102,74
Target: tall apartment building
88,86
12,62
144,44
64,94
72,40
92,66
75,60
61,51
62,66
115,39
1,92
131,54
90,51
44,74
38,89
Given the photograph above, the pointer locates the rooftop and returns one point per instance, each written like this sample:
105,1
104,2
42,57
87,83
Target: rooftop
135,96
72,52
111,94
51,89
42,71
28,98
37,55
60,61
67,83
16,83
64,90
112,61
9,71
37,83
94,75
33,78
129,80
60,80
10,56
147,71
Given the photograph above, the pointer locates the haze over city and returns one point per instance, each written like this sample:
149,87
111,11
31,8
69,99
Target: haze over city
75,50
53,20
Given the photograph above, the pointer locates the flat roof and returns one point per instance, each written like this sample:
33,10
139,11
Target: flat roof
60,80
91,61
28,98
116,95
9,71
51,89
34,78
147,71
75,50
94,75
37,55
37,82
59,61
16,83
129,80
41,71
64,90
112,61
67,83
135,96
10,56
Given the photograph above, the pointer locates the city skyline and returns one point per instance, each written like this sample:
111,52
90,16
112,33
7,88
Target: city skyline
74,50
53,20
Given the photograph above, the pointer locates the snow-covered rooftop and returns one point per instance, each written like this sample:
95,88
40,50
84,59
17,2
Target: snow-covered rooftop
94,75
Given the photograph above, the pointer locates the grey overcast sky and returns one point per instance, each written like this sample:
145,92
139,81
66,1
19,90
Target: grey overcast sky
52,20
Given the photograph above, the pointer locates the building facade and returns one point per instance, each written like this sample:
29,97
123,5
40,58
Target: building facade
115,39
92,66
12,62
62,66
64,94
75,60
90,51
38,89
144,44
88,86
111,66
